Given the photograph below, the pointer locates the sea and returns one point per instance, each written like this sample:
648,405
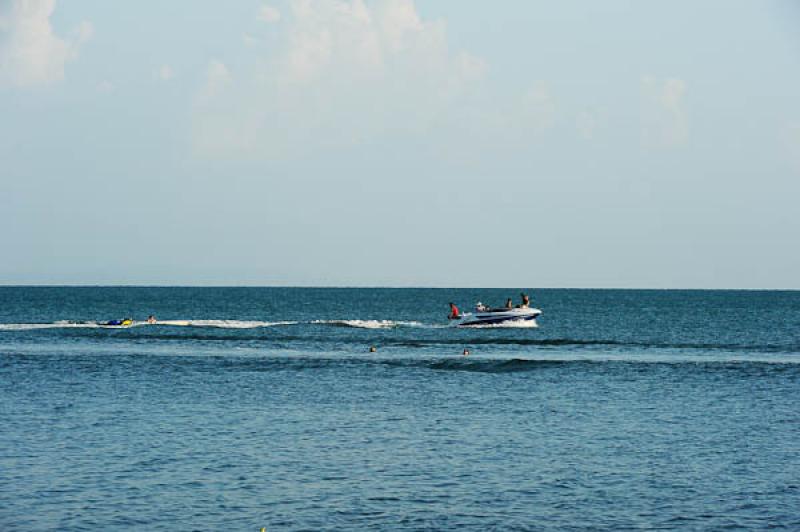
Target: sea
250,408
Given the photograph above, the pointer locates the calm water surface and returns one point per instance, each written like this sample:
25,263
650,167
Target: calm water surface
251,407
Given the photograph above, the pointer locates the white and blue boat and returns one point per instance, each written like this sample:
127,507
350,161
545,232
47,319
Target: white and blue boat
497,317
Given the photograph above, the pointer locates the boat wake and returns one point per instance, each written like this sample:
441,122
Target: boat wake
219,324
370,324
225,324
53,325
216,324
202,329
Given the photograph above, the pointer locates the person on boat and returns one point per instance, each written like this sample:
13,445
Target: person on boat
480,307
526,301
454,312
509,303
151,319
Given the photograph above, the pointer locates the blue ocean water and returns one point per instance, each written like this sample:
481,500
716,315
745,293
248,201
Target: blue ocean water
262,407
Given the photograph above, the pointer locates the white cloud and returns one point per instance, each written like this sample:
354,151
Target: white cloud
344,71
332,36
165,73
586,124
215,137
249,40
400,23
30,52
268,14
386,38
471,67
105,86
84,32
664,118
538,107
217,78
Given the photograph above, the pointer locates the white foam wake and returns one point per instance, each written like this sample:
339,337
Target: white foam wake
66,325
236,324
369,324
54,325
225,324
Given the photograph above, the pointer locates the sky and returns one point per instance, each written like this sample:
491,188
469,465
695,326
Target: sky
443,143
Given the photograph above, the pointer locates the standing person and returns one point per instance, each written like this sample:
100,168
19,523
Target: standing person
526,301
454,313
509,303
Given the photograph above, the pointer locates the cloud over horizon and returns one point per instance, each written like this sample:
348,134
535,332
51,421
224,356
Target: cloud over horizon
268,14
665,120
344,71
30,51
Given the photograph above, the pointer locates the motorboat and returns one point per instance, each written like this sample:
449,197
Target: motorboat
497,316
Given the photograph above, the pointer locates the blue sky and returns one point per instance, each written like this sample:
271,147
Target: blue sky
400,143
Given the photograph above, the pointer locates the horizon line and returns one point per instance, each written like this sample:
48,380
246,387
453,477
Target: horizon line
389,287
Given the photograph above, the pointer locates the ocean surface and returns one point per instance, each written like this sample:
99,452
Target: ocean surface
245,408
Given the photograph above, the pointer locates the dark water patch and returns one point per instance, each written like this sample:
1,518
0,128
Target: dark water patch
484,340
578,342
410,338
221,364
212,337
498,366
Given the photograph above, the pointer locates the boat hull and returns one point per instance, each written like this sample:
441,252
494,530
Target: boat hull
497,317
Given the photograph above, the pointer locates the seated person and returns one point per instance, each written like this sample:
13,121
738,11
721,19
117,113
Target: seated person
454,312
